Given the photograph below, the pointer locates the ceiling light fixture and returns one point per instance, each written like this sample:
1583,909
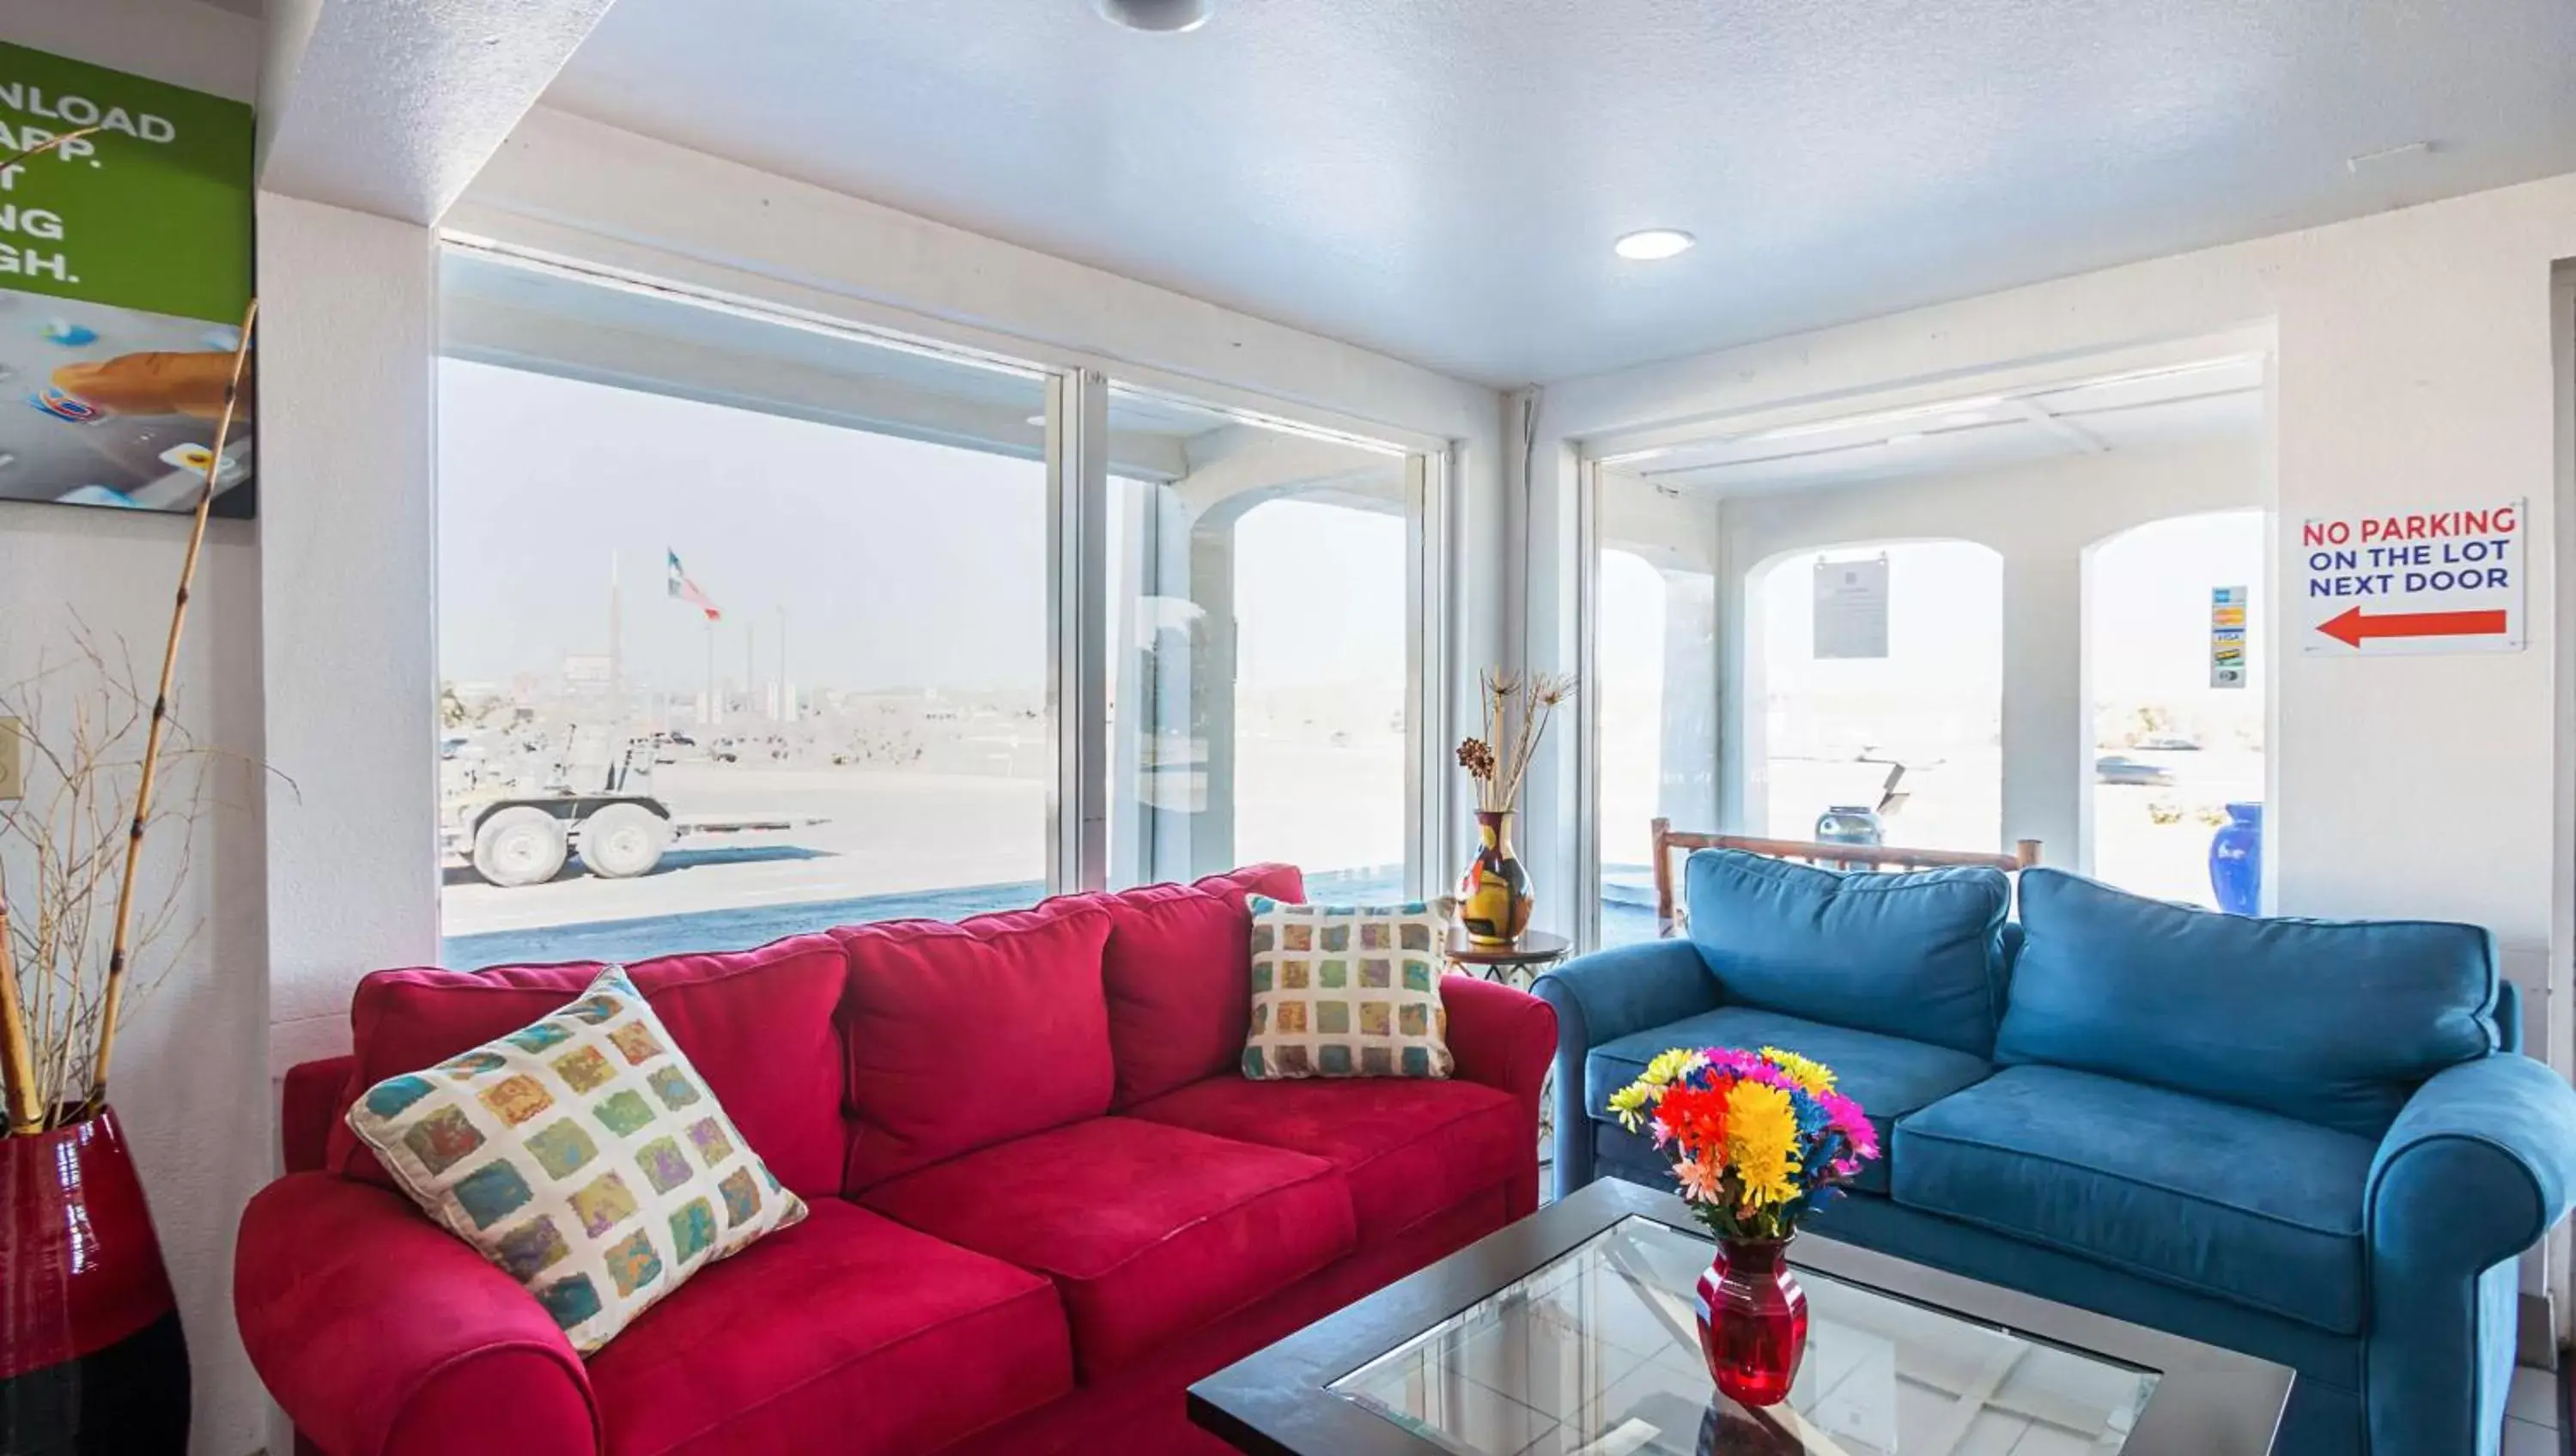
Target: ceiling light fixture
1653,244
1161,16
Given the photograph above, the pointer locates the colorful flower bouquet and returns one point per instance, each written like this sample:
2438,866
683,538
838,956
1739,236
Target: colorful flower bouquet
1758,1141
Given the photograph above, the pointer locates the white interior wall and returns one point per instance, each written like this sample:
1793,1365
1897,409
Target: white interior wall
348,329
2040,518
192,1054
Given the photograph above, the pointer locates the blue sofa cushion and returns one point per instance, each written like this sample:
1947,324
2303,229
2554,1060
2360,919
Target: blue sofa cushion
2236,1204
2331,1022
1886,1075
1918,956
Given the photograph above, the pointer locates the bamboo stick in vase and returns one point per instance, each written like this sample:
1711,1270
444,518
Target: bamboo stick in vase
112,1003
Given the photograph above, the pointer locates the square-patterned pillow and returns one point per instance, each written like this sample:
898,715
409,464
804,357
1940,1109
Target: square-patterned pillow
583,1155
1347,991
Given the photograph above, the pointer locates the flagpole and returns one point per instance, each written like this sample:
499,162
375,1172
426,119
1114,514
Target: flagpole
616,643
715,705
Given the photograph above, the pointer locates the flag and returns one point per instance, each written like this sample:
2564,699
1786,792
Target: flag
686,590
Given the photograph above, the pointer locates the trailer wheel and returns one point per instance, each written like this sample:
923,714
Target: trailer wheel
622,841
519,845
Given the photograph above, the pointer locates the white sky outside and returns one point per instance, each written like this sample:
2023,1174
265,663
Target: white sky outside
897,563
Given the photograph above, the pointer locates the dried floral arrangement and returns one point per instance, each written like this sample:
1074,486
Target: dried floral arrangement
1518,708
64,847
66,973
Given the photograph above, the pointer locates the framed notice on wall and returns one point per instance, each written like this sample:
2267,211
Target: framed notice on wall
1851,608
125,264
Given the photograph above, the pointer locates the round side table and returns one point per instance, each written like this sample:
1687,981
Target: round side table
1516,965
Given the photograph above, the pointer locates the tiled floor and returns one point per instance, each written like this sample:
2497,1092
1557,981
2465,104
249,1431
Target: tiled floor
2531,1415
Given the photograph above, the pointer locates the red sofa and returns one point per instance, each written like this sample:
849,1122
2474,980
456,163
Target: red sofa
1044,1199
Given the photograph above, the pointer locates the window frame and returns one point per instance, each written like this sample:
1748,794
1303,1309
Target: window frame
1076,456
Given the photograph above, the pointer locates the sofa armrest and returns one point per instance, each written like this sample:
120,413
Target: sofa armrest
1617,992
315,1095
1502,1037
1602,997
1499,1036
2480,1163
380,1332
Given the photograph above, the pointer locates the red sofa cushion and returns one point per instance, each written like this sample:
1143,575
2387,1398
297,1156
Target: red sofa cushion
1148,1231
1408,1148
757,1023
961,1036
847,1332
1178,972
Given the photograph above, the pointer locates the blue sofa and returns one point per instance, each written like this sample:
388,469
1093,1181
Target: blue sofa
2316,1142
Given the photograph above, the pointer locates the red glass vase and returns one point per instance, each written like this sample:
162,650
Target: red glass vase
1752,1320
91,1356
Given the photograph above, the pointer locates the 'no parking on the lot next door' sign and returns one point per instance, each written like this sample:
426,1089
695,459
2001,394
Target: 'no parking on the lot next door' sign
2447,580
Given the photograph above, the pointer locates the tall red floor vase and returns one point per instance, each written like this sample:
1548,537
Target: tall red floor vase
91,1357
1752,1320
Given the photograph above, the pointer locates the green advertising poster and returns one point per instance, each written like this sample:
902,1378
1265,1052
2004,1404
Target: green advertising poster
125,265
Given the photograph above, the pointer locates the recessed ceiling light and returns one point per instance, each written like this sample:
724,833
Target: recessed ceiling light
1037,419
1908,437
1166,16
1653,244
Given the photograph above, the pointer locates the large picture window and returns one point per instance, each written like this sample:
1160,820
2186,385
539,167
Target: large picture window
1262,650
743,628
750,626
1653,685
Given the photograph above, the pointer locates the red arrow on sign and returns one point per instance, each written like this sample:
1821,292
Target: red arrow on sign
2354,626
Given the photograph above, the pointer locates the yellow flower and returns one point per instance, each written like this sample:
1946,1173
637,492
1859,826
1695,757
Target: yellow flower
1762,1143
1669,1067
1630,1103
1815,1076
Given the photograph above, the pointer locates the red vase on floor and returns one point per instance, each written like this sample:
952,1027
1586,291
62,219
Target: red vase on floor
1752,1320
91,1357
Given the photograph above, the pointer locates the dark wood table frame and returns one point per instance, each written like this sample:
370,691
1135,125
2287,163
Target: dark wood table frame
2208,1402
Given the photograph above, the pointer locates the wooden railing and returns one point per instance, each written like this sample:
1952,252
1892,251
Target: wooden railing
1835,856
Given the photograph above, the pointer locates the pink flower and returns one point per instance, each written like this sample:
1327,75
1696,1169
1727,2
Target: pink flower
1699,1178
1851,1123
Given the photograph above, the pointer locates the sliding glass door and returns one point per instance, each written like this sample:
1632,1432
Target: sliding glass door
1263,628
1651,689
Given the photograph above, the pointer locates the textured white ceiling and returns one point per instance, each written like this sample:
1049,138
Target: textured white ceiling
1441,179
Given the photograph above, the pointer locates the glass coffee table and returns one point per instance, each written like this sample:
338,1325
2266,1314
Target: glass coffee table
1574,1333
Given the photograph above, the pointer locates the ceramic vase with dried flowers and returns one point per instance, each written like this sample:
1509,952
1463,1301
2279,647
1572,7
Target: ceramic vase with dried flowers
1494,897
91,1355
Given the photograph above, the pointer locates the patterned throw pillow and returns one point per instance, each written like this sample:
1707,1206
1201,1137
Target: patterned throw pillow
583,1155
1347,991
